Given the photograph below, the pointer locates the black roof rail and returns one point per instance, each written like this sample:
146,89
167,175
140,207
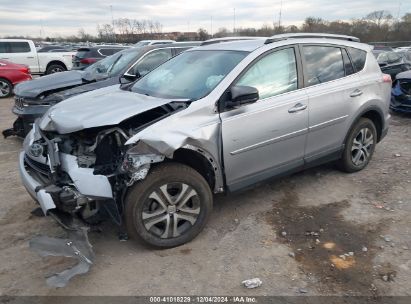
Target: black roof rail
310,35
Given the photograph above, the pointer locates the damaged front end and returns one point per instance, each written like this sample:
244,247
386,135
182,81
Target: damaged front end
81,178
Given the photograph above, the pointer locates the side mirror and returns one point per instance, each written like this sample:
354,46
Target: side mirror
127,78
242,95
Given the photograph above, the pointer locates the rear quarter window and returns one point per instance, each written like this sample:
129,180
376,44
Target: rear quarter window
358,58
19,47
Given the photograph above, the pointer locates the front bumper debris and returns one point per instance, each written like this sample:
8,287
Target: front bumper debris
75,246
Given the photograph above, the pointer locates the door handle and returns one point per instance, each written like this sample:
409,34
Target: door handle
356,93
30,57
5,58
297,108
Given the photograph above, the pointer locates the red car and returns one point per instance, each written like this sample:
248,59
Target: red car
10,75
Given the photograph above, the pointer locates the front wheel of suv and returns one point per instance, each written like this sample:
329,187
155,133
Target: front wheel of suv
359,146
169,207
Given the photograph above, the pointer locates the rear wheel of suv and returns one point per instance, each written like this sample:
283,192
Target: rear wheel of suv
359,146
169,207
55,68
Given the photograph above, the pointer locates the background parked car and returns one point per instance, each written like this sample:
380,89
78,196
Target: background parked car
393,63
86,56
33,99
10,75
229,39
377,49
153,42
401,93
403,48
52,48
23,51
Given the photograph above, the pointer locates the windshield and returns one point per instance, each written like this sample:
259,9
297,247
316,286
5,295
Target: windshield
111,65
191,75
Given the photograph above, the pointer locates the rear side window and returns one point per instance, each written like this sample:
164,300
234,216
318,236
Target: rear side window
3,47
105,52
358,58
349,69
19,47
323,64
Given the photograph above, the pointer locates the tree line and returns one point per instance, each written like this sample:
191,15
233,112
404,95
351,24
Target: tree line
377,26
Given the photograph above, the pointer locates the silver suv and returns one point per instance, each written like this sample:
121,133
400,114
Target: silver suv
217,118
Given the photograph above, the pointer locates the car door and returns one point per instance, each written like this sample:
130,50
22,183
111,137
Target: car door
267,137
332,89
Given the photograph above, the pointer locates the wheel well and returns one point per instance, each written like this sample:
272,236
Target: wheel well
376,118
56,62
7,80
198,162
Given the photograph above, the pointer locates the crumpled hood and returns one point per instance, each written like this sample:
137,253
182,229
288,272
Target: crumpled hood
102,107
33,88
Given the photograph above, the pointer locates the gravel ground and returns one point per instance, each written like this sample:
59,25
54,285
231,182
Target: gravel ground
318,232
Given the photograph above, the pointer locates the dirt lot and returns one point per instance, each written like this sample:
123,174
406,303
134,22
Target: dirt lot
292,234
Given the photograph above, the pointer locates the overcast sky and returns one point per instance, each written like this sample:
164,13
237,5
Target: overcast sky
64,17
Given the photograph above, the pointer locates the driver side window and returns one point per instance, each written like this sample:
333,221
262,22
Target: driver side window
150,61
274,74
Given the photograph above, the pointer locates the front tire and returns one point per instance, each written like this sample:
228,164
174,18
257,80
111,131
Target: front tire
6,88
169,207
359,146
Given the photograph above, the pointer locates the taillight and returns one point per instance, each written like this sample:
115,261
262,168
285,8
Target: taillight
386,78
25,70
88,60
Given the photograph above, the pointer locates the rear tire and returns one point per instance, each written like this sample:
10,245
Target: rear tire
359,146
55,68
6,88
169,207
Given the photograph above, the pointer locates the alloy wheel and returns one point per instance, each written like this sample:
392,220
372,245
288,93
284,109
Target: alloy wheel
362,146
4,89
171,210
